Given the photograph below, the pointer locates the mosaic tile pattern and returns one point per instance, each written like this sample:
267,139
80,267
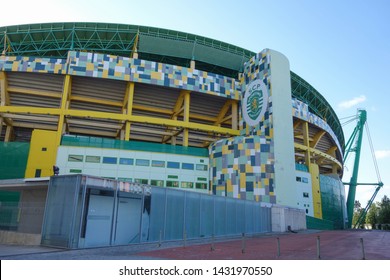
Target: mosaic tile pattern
243,167
142,71
301,111
33,64
258,67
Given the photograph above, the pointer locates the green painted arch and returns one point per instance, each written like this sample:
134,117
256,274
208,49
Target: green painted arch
156,44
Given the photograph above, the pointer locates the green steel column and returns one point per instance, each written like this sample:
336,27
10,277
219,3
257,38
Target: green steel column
353,182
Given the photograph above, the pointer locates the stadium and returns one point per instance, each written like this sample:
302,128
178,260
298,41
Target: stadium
156,109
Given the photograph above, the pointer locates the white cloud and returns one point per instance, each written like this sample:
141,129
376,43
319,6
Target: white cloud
353,102
382,154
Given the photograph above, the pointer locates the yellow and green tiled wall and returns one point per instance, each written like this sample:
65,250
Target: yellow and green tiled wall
243,167
33,64
258,67
126,69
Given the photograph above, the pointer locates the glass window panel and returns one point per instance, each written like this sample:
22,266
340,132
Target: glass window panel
141,181
142,162
206,216
240,215
76,158
93,159
157,214
126,161
158,163
175,212
231,227
249,217
110,160
187,185
201,167
192,215
173,184
173,164
158,183
146,211
201,186
59,212
220,215
188,166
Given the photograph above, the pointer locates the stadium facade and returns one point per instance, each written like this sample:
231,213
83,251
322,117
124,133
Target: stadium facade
169,109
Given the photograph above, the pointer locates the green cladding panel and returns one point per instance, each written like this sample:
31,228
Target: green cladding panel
333,200
97,142
13,159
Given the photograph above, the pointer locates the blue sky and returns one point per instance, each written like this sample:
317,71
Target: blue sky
342,48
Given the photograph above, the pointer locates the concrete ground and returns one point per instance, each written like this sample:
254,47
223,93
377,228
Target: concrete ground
334,245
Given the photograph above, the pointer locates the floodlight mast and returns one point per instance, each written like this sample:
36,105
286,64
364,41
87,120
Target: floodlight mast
357,137
358,132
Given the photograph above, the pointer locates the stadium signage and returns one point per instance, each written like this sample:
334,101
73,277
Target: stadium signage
255,102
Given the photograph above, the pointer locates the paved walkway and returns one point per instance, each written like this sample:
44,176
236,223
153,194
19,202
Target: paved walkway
334,245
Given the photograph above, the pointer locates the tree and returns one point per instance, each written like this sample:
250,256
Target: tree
357,210
372,215
384,211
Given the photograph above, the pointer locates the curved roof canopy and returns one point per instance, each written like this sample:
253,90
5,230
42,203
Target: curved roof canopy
156,44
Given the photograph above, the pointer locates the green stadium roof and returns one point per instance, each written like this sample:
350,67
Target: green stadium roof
156,44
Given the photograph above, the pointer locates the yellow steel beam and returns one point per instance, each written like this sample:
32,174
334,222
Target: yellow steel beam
177,110
8,133
306,142
296,124
331,151
179,103
317,137
235,115
30,110
317,152
170,112
66,92
43,93
5,101
95,101
129,109
4,96
222,113
186,117
119,117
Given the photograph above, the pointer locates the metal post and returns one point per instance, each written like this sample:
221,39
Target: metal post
212,243
363,253
318,248
243,243
185,238
278,246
